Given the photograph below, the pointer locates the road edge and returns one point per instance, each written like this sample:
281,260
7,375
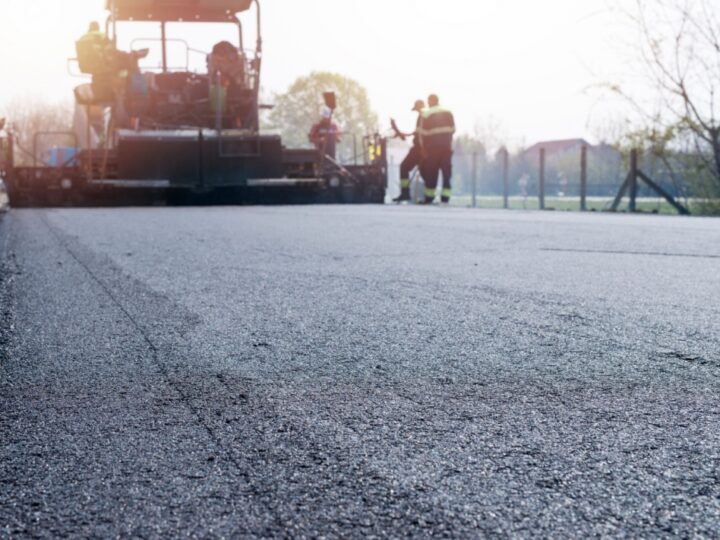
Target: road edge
7,272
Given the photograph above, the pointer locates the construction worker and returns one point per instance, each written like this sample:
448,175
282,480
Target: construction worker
94,50
115,74
325,134
97,55
414,158
437,129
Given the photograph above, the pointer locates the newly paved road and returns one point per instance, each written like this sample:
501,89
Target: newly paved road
358,371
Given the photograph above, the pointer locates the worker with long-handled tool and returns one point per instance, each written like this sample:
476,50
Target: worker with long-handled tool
437,129
326,134
415,156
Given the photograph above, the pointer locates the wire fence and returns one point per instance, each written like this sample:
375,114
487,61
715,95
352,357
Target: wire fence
577,177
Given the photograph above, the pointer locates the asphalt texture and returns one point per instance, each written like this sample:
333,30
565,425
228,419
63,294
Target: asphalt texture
358,372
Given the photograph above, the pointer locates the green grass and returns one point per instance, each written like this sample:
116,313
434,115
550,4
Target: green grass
564,204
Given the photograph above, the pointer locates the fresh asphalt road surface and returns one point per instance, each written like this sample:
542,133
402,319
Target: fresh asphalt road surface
358,371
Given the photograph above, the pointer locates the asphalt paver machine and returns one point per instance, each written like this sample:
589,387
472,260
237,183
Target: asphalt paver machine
189,135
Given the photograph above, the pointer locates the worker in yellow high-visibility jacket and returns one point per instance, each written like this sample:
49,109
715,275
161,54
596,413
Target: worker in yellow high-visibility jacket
437,129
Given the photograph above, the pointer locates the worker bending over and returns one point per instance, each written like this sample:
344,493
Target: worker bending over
437,128
325,134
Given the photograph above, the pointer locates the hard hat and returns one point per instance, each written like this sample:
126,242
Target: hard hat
419,105
326,113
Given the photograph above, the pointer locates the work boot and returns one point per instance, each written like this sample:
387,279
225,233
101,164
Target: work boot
430,195
404,196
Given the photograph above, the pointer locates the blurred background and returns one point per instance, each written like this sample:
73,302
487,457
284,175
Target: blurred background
518,74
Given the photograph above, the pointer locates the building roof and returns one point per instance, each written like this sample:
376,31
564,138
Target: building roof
557,147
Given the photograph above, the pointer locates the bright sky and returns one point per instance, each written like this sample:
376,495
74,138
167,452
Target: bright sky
524,63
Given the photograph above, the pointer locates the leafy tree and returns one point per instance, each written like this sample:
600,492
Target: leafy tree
298,108
469,144
470,160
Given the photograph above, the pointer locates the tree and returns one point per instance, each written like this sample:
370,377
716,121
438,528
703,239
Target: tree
469,160
298,109
680,54
29,117
491,133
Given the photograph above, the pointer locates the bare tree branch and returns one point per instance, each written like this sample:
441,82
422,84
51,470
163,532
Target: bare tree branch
680,52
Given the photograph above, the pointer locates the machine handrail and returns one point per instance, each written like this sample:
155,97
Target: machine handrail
40,134
70,63
160,40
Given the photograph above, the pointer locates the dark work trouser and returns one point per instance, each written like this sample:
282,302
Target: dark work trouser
412,160
438,160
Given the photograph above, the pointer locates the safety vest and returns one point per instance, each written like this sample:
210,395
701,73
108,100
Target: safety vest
92,52
94,35
437,128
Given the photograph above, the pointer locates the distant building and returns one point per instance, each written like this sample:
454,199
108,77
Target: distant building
571,147
558,147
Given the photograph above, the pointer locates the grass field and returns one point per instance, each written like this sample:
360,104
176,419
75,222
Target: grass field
564,204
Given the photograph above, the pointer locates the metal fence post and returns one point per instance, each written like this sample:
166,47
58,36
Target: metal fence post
506,179
88,142
541,187
633,180
474,180
583,178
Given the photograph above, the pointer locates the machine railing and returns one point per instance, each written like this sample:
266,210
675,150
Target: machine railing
41,134
161,68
